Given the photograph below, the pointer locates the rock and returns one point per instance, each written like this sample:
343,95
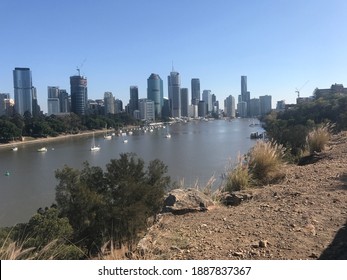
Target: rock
235,198
182,201
263,243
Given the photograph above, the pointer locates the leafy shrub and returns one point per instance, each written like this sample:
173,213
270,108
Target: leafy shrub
318,138
266,162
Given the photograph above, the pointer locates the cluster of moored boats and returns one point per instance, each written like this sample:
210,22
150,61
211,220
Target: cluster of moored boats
129,132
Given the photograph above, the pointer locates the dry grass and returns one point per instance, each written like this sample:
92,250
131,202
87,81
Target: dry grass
318,138
266,162
238,178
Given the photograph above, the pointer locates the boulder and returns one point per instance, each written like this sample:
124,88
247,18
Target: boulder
235,198
182,201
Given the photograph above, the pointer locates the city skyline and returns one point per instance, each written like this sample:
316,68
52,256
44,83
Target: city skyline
278,45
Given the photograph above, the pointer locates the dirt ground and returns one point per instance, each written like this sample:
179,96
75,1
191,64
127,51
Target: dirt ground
304,217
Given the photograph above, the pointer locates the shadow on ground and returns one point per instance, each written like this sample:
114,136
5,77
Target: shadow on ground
337,250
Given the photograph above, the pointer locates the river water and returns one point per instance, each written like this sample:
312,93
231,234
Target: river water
196,151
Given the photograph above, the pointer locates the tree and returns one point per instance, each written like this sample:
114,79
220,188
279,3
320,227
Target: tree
112,205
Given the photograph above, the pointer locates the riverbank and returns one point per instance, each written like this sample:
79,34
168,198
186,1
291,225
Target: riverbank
304,217
62,137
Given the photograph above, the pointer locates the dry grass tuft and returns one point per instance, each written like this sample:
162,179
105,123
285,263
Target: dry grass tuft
318,138
266,162
238,178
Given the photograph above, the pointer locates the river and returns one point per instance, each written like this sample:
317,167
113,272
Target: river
196,151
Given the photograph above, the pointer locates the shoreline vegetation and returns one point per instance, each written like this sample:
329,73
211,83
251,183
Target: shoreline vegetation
61,137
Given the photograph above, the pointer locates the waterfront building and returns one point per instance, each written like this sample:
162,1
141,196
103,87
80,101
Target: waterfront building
265,104
334,89
53,103
193,111
207,97
165,113
281,105
23,96
79,94
64,101
118,106
134,100
229,107
254,110
35,104
155,92
245,95
147,110
174,85
242,109
4,97
202,109
109,103
184,102
195,86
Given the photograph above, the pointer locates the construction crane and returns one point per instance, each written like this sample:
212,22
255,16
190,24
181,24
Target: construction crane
298,90
79,68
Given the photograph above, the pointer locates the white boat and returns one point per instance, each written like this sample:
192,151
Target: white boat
43,149
125,141
94,147
107,136
14,148
168,135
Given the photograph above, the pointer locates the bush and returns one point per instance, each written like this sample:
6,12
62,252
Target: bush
318,138
238,178
266,162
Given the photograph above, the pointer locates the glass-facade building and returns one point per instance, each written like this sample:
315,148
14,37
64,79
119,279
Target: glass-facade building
195,84
23,96
79,95
174,86
155,93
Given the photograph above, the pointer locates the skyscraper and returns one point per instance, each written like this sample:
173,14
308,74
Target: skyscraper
79,94
23,96
53,102
195,83
207,97
229,107
184,102
64,101
265,104
109,103
174,85
155,93
245,95
134,100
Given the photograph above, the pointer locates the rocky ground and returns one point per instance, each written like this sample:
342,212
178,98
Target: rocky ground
304,217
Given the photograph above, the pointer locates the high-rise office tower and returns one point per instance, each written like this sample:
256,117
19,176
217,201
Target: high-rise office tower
184,102
174,86
79,94
134,100
64,102
265,104
53,102
146,108
109,103
155,93
245,95
207,97
195,84
23,96
254,105
229,107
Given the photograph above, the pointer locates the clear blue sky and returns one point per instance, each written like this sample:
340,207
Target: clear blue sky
277,44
